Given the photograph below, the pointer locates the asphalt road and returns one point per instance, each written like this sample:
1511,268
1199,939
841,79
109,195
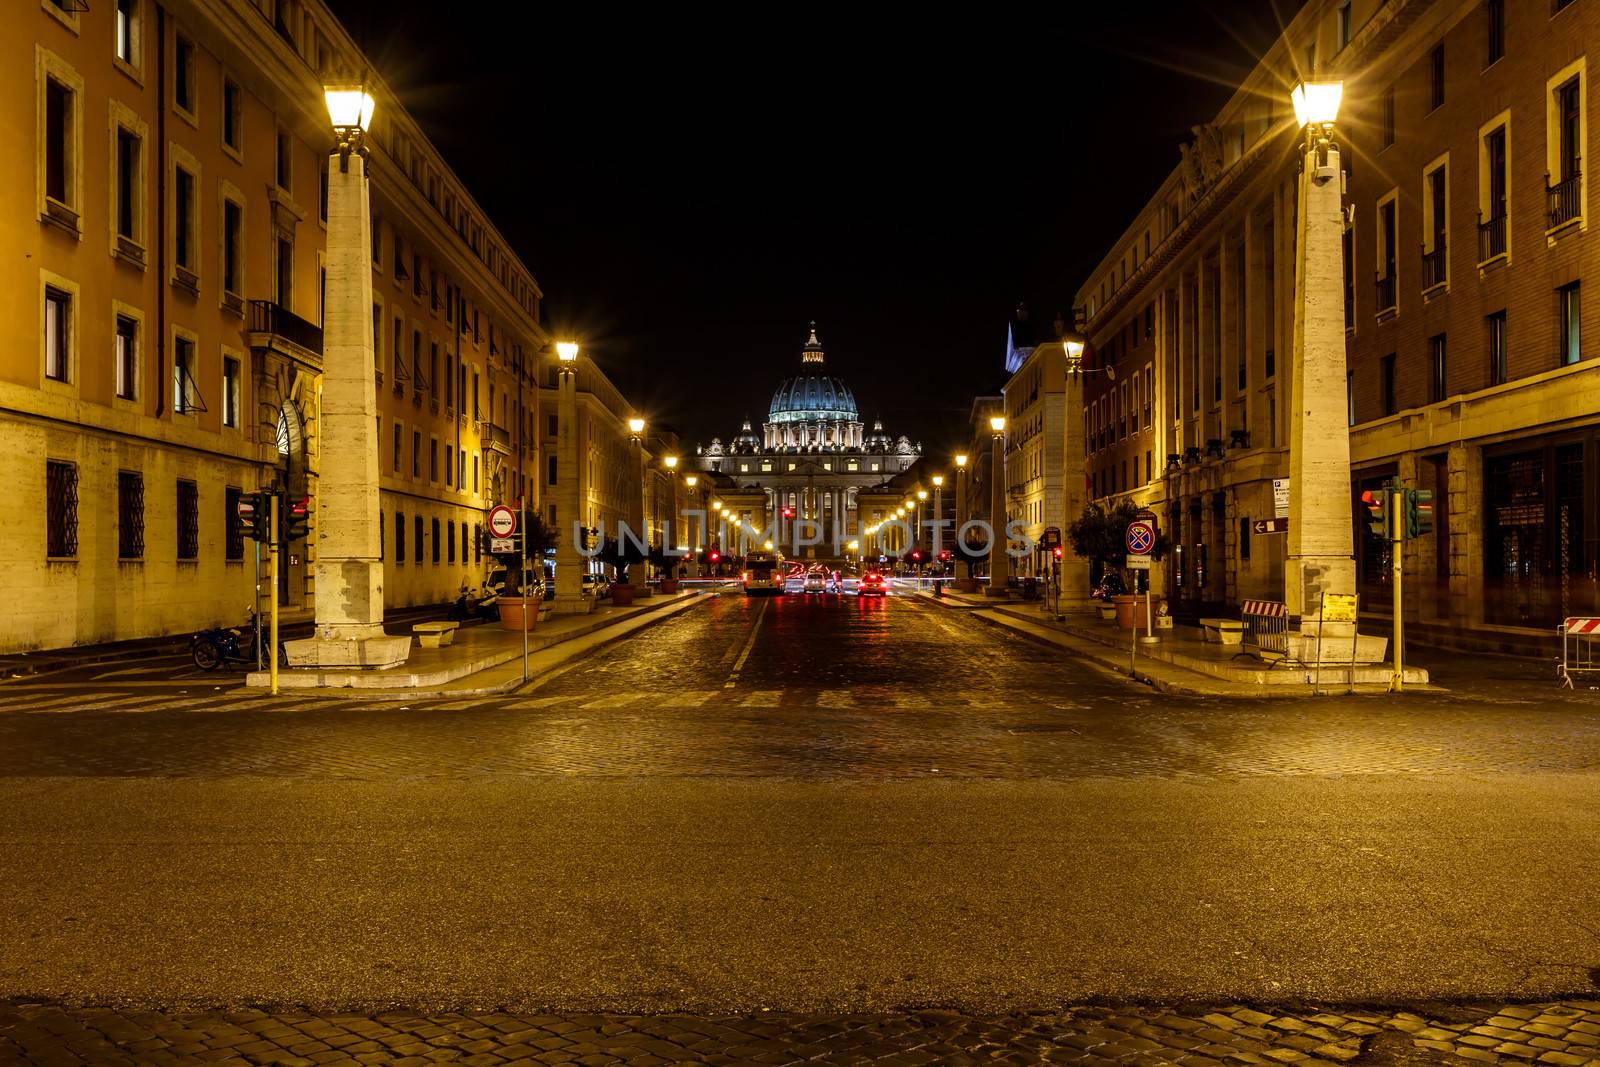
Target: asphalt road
808,804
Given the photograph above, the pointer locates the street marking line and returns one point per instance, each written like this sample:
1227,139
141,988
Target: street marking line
613,701
836,698
534,703
44,705
750,643
688,700
763,698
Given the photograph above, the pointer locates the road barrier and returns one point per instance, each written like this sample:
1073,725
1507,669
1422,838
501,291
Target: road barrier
1580,648
1266,631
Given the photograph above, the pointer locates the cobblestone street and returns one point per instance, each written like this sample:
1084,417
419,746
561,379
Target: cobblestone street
802,829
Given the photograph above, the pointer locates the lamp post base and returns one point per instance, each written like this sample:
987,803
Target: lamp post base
367,653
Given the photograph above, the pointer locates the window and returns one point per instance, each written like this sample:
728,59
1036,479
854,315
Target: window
1388,117
1350,396
436,540
185,399
1389,407
1565,197
399,537
128,199
449,465
232,248
60,143
1149,391
1492,207
1497,348
125,42
232,528
1386,253
183,240
283,270
450,542
57,334
550,469
130,515
61,509
433,459
1436,77
1344,23
416,537
232,115
1437,383
183,76
188,519
474,472
416,455
1567,323
399,441
1435,216
477,537
1494,13
283,164
230,392
126,356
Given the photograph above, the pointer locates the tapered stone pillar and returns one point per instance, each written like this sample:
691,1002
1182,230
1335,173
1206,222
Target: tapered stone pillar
349,566
1074,568
570,563
1321,550
999,561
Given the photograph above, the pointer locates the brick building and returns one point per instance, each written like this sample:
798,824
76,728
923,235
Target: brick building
1463,133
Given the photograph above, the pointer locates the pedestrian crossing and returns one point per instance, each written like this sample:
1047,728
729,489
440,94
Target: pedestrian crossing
47,701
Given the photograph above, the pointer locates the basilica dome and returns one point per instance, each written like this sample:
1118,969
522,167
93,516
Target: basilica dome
812,397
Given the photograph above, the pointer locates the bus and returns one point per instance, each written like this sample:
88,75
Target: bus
763,573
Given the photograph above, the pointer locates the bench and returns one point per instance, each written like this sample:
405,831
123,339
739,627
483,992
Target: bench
1222,631
435,634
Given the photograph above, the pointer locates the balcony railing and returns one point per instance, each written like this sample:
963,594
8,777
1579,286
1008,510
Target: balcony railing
1386,293
1491,237
1564,202
1433,265
270,320
496,438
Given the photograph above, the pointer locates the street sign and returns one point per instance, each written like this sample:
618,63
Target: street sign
1270,526
1280,498
499,546
1141,538
1051,537
1138,563
502,521
1146,515
1338,607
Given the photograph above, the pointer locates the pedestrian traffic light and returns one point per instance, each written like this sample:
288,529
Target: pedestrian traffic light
1376,502
1419,512
297,519
255,515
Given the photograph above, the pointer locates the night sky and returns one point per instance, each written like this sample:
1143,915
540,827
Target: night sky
691,187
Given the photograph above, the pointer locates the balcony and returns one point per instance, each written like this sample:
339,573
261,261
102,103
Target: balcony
1564,201
273,326
1434,271
495,438
1491,238
1385,286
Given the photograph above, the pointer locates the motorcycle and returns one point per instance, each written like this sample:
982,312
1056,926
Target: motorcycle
472,604
212,648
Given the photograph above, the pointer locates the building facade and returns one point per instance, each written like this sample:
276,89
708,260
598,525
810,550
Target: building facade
160,351
813,454
1463,131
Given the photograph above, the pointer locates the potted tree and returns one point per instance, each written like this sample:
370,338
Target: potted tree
1100,535
971,554
519,608
663,564
621,555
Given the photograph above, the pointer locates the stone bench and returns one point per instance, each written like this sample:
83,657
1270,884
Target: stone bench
1222,631
435,634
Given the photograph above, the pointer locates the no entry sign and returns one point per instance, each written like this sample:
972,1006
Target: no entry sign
502,521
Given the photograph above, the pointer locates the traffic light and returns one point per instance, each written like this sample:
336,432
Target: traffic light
916,555
1377,504
788,512
1419,512
715,556
297,519
255,515
1056,552
944,554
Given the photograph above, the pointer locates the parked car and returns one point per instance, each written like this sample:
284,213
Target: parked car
872,584
597,586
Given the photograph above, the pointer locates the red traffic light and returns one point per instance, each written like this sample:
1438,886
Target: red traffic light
1056,552
945,554
788,513
715,555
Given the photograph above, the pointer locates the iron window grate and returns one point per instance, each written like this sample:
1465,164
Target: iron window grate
232,526
61,506
130,515
188,520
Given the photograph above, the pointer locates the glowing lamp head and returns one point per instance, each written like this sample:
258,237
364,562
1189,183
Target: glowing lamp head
567,351
899,513
1317,103
854,546
997,423
691,481
349,108
938,481
1074,343
961,459
767,545
636,426
922,494
670,462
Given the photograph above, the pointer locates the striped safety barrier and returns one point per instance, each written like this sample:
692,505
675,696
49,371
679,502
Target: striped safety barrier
1266,631
1580,648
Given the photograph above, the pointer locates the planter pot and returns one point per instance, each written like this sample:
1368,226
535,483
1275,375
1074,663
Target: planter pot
669,585
621,595
1131,609
967,585
1107,611
519,612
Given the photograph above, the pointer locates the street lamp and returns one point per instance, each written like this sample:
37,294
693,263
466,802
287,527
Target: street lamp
938,512
350,112
1320,539
567,351
999,562
636,426
570,565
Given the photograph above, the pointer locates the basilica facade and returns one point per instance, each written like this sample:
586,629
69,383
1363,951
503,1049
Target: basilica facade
812,455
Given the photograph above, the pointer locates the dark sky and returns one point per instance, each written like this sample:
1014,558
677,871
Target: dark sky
692,186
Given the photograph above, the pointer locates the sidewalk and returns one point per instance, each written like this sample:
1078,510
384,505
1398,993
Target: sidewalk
485,660
1180,663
